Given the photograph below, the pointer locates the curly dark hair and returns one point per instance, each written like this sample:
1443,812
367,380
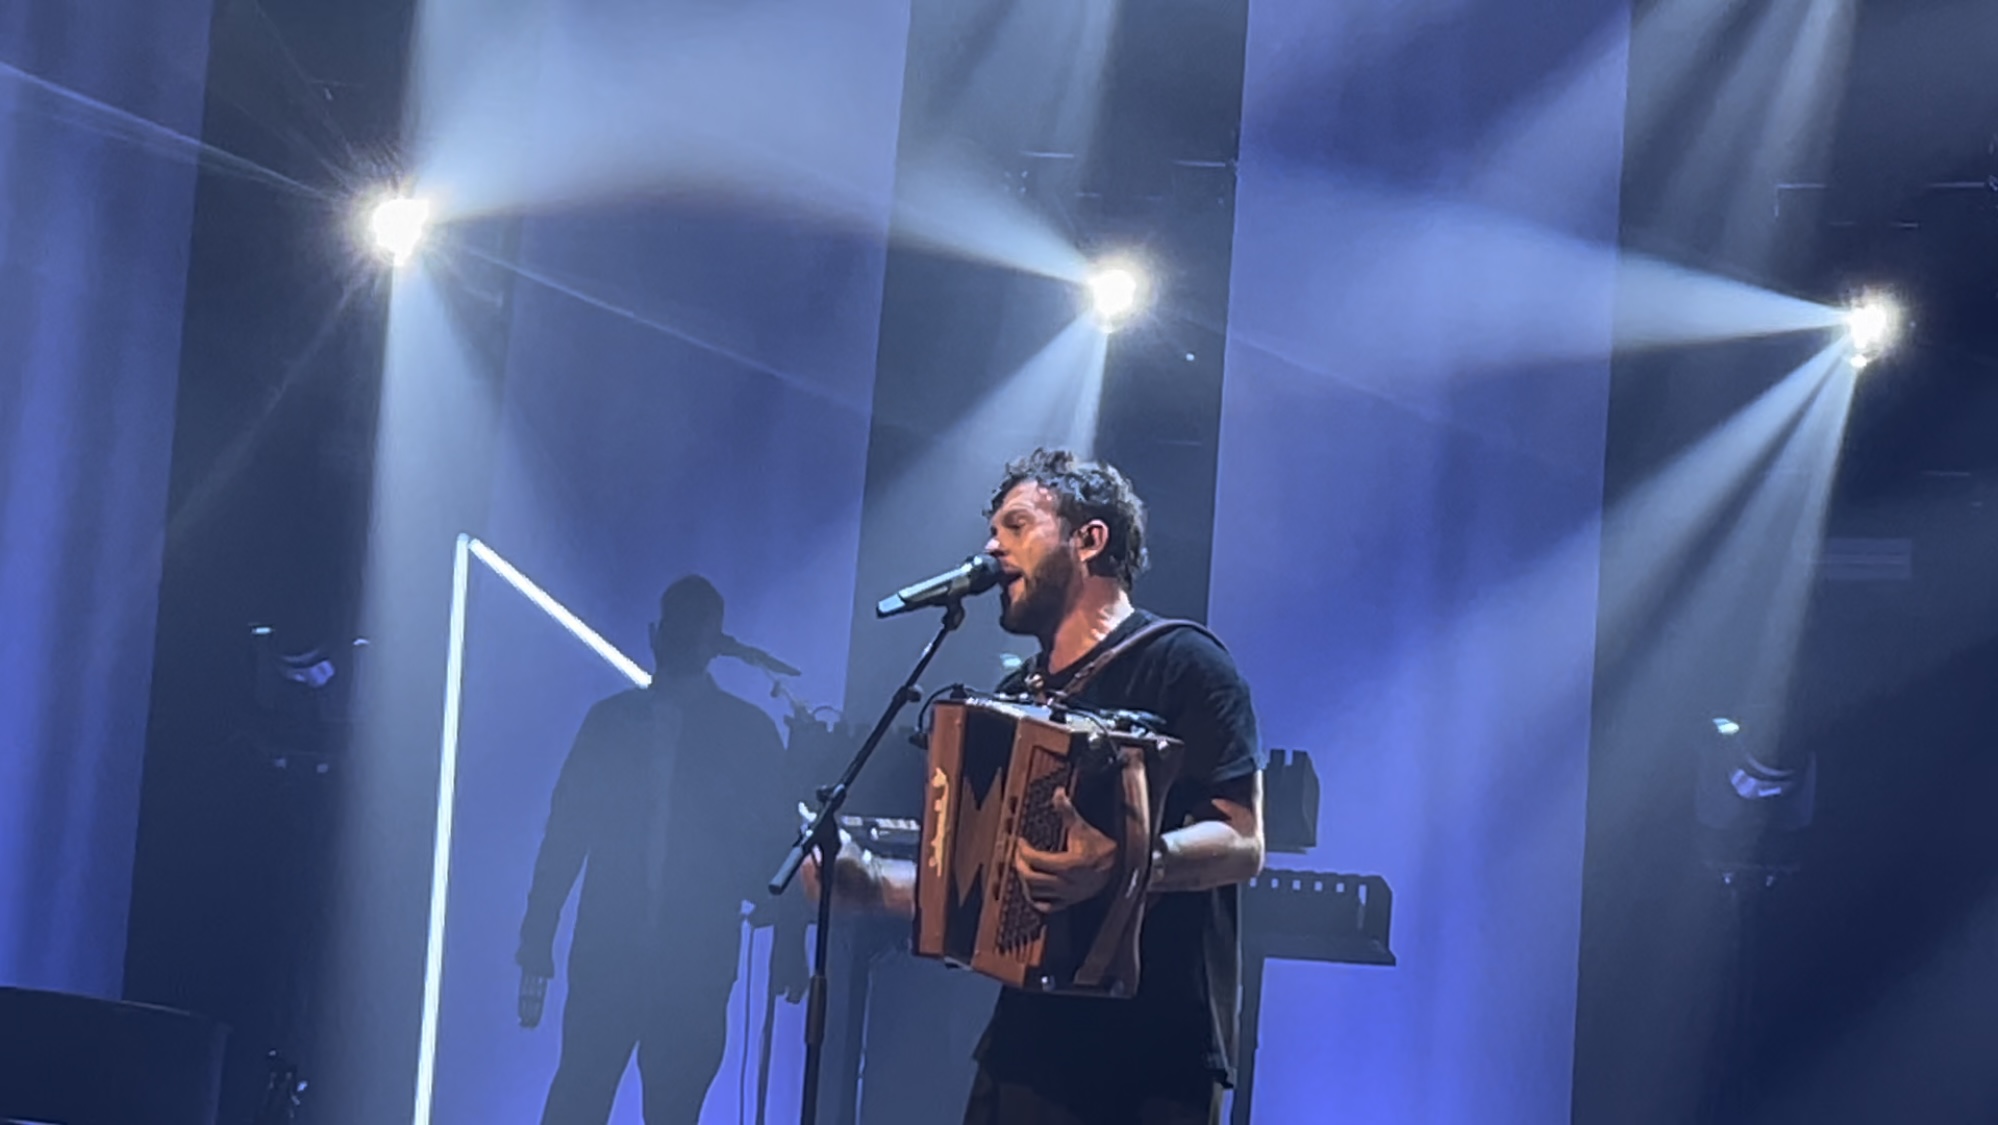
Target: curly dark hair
1085,491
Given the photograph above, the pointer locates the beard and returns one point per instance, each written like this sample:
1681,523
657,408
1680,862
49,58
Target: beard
1043,600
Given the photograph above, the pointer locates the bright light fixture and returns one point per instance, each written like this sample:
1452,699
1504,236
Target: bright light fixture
1116,293
397,226
1873,325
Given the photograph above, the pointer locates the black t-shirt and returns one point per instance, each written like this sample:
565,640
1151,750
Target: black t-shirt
1183,1022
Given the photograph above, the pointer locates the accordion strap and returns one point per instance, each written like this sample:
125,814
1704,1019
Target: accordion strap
1122,924
1117,940
1103,659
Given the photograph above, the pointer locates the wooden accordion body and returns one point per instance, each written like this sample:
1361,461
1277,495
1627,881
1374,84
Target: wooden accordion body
994,765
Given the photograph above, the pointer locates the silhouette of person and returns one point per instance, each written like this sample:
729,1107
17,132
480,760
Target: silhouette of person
669,794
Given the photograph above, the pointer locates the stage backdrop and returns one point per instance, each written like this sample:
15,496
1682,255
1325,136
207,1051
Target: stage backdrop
686,392
96,209
1409,488
1404,546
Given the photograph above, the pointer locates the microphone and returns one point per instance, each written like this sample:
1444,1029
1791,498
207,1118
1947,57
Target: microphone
756,657
978,574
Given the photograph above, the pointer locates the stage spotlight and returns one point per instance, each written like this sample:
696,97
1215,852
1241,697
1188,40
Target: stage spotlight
1116,294
397,226
1754,795
1872,325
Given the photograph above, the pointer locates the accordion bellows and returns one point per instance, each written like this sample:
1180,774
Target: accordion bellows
994,765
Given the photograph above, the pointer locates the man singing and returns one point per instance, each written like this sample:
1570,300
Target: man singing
1069,535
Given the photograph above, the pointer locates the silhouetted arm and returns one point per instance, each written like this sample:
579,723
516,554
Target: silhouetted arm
565,844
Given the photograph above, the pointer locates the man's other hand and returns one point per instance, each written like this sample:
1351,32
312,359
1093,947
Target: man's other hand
853,867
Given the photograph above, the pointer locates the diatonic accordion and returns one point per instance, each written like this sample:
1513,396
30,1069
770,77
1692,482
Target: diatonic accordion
994,765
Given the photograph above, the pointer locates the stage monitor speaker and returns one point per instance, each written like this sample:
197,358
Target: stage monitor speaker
79,1060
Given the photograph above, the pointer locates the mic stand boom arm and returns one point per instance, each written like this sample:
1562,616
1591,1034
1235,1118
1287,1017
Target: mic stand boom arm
822,836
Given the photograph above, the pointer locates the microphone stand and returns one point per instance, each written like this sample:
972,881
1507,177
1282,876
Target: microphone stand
822,836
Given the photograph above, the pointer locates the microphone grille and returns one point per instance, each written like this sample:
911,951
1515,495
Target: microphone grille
985,572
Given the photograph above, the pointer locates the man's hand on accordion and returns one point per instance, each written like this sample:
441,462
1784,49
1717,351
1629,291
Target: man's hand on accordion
1077,873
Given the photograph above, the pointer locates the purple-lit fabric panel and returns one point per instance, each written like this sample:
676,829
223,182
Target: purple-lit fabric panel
1408,497
95,217
688,390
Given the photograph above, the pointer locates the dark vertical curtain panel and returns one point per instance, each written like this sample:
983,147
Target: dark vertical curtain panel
96,205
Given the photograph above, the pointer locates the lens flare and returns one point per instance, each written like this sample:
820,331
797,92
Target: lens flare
1117,292
1873,326
397,226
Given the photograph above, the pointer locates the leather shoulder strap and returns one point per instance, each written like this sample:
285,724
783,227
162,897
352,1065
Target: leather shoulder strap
1104,659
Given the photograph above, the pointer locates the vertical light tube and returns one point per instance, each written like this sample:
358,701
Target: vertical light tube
440,860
